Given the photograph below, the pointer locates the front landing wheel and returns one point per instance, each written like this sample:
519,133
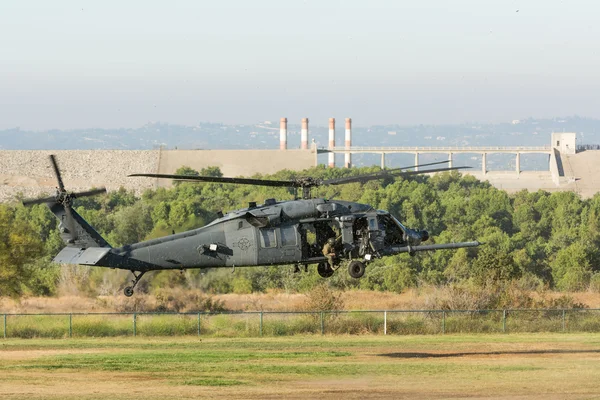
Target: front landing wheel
128,291
356,269
325,270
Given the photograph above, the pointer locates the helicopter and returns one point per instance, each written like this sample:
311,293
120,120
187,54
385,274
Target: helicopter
290,232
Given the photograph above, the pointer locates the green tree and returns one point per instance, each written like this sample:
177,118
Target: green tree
19,245
571,269
492,267
211,171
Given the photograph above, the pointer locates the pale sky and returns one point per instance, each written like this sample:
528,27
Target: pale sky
108,64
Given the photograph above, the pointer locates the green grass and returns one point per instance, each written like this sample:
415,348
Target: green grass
248,325
330,366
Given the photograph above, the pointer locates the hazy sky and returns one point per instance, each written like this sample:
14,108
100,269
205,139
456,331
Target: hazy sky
77,64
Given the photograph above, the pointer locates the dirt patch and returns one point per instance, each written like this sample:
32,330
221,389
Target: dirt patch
16,355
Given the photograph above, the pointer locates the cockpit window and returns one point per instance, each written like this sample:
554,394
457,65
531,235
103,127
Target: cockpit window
393,229
398,223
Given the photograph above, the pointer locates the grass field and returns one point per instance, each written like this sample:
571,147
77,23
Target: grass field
538,366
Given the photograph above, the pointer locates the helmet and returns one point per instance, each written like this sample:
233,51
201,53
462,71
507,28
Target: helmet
331,241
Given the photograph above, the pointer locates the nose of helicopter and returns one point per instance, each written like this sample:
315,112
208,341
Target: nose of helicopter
416,237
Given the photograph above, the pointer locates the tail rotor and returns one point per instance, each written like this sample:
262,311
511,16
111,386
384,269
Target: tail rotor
65,199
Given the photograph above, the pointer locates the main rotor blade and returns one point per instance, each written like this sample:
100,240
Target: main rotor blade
61,186
87,193
417,166
39,201
214,179
385,174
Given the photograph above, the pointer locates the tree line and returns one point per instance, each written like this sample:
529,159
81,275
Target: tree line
541,239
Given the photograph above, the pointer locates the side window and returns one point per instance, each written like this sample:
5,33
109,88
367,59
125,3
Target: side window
372,224
288,236
267,238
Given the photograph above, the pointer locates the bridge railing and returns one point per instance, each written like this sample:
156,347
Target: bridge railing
277,323
584,147
446,148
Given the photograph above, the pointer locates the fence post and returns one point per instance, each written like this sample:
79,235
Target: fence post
71,325
385,322
322,324
444,322
4,326
503,321
563,320
261,323
134,324
198,323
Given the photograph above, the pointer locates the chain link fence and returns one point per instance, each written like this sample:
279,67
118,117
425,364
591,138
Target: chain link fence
276,323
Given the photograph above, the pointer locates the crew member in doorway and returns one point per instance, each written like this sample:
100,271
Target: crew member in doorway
330,250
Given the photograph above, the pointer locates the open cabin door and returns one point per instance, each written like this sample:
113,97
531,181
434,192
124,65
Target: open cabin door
376,236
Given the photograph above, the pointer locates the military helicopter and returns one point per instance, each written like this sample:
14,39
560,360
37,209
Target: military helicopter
274,233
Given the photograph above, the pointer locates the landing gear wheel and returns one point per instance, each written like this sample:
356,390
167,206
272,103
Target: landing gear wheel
356,269
129,289
325,270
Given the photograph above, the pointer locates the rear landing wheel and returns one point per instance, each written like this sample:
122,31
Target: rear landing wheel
325,270
129,289
356,269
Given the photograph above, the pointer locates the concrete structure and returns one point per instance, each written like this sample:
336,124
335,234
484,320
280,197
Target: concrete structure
236,162
564,142
331,142
304,134
566,168
283,134
348,144
29,174
483,150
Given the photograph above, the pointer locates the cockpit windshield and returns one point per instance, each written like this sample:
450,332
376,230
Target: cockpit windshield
398,223
394,230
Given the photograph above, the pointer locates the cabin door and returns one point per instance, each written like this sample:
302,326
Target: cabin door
279,245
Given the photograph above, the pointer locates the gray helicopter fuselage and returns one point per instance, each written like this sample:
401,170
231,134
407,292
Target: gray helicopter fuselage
265,235
300,232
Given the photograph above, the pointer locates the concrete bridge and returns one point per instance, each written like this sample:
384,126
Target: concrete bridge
483,150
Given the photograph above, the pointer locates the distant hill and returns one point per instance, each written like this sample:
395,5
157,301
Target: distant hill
205,135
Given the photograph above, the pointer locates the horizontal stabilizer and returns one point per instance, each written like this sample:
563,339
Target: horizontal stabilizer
89,256
102,257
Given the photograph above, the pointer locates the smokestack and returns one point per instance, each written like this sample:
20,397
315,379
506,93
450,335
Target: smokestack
331,142
348,156
283,134
304,134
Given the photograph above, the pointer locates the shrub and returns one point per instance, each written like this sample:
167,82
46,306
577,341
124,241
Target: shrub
595,283
323,298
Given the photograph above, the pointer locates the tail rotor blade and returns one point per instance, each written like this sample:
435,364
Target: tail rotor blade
39,201
61,186
87,193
